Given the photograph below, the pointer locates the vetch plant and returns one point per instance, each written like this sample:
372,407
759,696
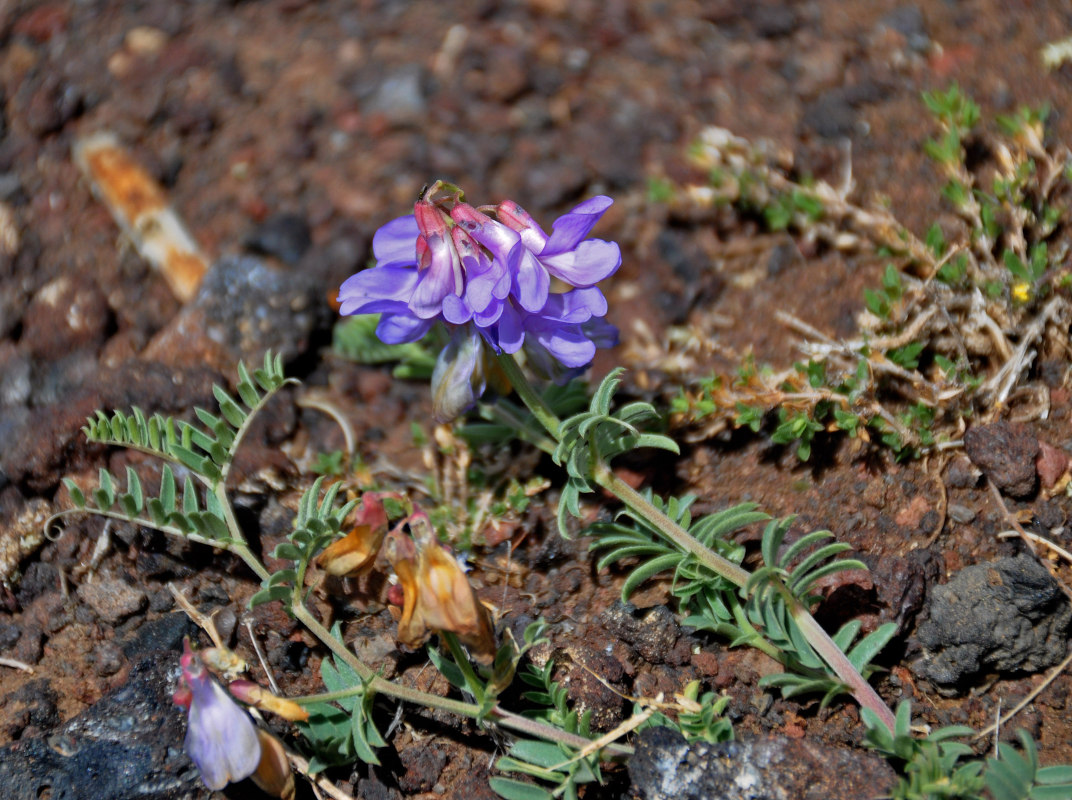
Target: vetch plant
509,300
488,281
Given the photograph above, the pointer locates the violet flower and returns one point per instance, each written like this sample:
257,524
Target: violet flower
221,739
491,282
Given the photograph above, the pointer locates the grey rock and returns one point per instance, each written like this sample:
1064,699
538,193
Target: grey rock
666,767
285,236
244,307
653,632
400,97
908,21
1005,616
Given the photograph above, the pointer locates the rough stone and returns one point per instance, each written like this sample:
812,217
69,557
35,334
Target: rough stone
244,307
68,313
1008,615
666,767
653,632
1051,464
1006,453
111,599
126,747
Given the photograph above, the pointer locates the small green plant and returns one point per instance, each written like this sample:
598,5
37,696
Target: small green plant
952,330
936,767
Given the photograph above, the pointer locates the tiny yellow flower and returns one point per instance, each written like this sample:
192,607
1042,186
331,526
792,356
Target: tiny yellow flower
1021,292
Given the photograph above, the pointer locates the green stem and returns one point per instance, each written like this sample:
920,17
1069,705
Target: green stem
606,478
757,641
462,661
865,695
497,715
529,395
504,413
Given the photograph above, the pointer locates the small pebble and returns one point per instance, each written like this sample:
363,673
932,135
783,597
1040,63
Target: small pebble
961,514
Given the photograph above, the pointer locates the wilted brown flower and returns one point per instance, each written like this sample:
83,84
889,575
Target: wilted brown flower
355,553
436,594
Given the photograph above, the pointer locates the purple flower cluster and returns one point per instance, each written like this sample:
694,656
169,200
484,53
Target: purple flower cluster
498,281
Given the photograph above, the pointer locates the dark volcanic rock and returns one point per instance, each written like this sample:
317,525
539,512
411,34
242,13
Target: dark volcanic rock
1005,616
126,747
1006,454
666,767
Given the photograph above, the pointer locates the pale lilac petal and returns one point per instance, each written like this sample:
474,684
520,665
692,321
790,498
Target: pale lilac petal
395,244
456,311
532,283
572,227
442,277
402,327
378,283
495,236
220,737
588,264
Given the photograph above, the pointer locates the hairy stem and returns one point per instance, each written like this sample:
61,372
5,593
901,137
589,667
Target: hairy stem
498,715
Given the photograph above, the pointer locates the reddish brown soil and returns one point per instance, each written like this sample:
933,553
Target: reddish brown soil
249,109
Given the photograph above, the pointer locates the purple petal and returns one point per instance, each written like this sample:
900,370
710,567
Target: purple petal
495,236
442,277
576,305
402,328
588,264
374,285
531,281
490,315
395,243
455,310
572,227
510,334
567,343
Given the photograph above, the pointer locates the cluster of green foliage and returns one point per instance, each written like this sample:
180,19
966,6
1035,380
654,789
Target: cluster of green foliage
763,613
935,767
1005,249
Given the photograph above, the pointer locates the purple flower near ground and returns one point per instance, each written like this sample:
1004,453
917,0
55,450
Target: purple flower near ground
499,281
221,739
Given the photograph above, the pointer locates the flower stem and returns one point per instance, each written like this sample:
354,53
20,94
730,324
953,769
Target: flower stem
383,686
864,693
529,395
462,662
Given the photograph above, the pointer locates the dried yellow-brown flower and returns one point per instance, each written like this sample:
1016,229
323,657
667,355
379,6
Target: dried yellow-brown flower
355,553
436,594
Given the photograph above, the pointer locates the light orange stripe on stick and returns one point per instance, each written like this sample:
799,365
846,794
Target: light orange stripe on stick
139,206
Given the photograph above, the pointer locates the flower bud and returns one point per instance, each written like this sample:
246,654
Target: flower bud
458,377
256,695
